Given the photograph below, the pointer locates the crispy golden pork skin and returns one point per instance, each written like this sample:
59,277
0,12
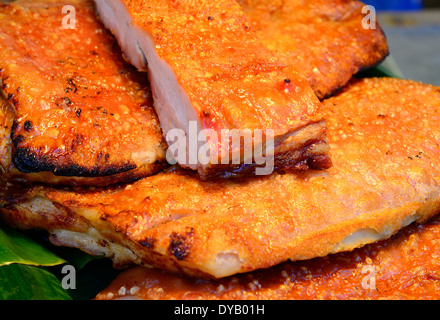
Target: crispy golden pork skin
327,41
80,114
384,134
208,69
404,267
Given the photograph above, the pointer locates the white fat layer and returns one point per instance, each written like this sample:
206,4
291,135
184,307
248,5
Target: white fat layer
93,243
225,264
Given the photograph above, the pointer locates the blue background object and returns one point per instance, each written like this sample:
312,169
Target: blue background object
395,4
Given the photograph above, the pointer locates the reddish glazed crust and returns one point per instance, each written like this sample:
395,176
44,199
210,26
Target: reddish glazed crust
384,133
83,116
324,40
225,77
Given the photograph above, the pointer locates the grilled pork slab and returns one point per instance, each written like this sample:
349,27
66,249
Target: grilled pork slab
327,41
385,136
77,113
210,75
400,268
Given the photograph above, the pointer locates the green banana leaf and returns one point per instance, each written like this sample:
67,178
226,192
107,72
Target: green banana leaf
32,269
17,247
387,68
24,282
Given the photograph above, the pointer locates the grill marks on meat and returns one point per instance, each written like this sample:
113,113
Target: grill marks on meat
83,116
206,65
384,177
325,40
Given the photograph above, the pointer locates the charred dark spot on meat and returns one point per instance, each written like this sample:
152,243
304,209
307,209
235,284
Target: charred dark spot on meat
3,80
12,98
148,243
320,162
17,140
27,160
14,126
180,244
71,86
28,126
96,171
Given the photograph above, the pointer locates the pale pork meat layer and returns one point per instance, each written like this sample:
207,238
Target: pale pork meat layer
384,134
77,113
208,69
